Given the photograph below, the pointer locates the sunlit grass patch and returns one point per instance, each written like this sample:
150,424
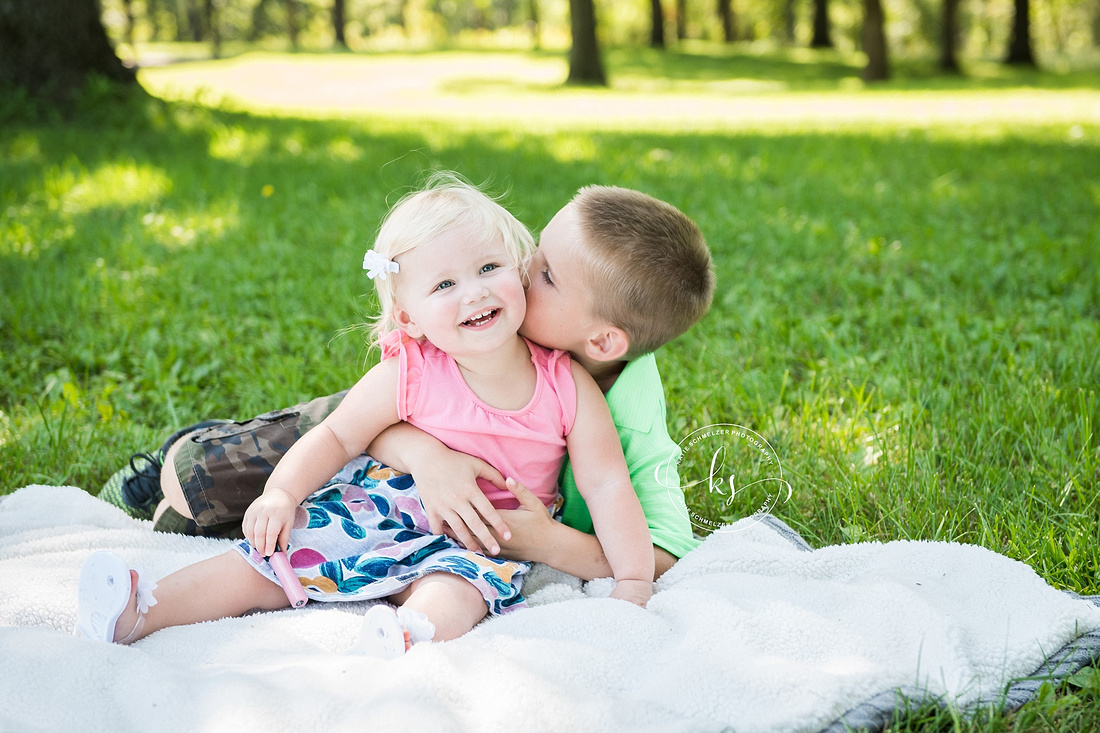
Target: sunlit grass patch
717,90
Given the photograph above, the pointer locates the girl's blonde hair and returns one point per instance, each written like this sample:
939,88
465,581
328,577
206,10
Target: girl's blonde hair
446,202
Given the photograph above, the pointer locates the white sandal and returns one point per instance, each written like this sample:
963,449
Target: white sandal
389,633
104,594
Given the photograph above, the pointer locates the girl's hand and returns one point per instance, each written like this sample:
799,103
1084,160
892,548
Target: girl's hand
637,592
268,520
456,505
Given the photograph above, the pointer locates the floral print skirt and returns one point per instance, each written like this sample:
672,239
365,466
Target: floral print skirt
365,535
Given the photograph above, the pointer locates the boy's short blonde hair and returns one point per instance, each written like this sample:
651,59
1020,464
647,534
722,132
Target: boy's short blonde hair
648,266
445,203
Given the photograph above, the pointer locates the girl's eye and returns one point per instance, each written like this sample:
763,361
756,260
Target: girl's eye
445,284
546,277
487,268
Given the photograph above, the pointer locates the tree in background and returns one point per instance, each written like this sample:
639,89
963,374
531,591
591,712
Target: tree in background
657,27
585,66
261,21
338,21
729,26
128,29
821,38
1019,44
946,27
152,13
949,60
533,11
213,27
292,22
51,48
874,42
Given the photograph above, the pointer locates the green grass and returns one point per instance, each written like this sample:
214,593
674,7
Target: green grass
908,306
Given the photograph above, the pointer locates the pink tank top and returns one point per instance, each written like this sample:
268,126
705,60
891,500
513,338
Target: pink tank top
526,444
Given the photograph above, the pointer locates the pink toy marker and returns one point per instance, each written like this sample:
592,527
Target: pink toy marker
288,579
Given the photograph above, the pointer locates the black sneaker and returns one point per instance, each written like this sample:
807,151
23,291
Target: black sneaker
135,488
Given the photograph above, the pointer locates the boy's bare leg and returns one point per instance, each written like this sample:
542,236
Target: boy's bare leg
452,603
170,482
220,587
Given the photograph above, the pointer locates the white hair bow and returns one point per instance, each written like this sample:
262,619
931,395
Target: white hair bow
378,266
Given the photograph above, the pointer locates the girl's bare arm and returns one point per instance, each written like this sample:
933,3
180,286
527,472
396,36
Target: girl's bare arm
369,408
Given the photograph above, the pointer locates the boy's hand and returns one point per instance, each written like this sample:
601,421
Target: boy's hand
456,505
531,525
268,520
637,592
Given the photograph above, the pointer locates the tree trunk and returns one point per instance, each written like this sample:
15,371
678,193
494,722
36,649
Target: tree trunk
1096,26
152,14
1019,45
195,21
657,29
213,26
949,59
259,21
585,66
533,11
292,22
822,38
338,23
51,47
128,31
789,20
729,26
681,19
505,15
874,42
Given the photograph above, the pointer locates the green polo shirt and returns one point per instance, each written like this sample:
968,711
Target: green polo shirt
637,404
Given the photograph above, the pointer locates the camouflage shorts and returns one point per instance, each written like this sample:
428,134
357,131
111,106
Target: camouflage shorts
222,469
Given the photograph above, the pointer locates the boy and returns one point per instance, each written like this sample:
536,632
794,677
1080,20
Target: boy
616,275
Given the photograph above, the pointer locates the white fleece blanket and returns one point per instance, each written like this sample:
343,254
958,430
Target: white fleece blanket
753,631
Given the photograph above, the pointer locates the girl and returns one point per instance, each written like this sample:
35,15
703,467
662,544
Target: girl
448,266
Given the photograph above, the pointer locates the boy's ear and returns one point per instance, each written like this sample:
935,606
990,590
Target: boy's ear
406,324
609,344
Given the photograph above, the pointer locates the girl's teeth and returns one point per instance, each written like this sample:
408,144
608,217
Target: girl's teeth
479,317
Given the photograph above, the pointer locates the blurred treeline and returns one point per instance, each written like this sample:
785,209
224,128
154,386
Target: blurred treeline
914,28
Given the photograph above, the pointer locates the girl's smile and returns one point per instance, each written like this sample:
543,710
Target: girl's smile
482,319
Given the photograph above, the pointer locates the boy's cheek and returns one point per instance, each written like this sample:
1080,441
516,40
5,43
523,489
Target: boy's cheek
532,299
540,327
530,328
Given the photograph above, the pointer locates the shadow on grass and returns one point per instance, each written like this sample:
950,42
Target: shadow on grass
794,68
805,68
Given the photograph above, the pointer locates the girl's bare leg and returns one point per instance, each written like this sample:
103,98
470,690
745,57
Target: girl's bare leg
220,587
452,603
